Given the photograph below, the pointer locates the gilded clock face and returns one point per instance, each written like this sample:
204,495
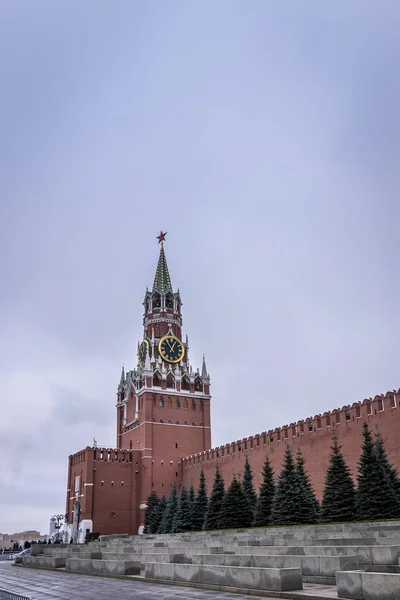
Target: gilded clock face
143,350
171,349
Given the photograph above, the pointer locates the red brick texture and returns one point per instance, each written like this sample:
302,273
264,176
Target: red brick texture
313,437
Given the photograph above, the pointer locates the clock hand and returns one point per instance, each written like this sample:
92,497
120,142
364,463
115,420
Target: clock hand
172,347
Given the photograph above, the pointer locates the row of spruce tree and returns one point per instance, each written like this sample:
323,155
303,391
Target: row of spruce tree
290,500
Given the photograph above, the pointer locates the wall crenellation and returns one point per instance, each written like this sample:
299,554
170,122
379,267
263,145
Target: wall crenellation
105,454
328,423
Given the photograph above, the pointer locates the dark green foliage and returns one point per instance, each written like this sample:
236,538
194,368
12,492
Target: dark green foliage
389,482
182,519
367,507
236,511
376,498
292,504
157,515
152,503
248,487
200,504
309,490
339,498
266,496
167,521
391,472
192,498
215,503
192,494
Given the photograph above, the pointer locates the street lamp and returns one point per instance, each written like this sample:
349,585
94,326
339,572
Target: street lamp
57,526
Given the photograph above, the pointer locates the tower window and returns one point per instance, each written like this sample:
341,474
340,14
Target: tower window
176,444
157,301
198,386
186,383
157,380
193,405
178,403
170,381
169,301
161,402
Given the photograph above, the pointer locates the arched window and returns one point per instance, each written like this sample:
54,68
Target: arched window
186,383
161,402
157,380
198,385
178,403
170,381
156,301
169,301
193,405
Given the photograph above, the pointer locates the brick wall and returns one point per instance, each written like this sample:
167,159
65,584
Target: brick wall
313,436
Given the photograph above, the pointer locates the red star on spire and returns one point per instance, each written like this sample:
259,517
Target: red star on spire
161,237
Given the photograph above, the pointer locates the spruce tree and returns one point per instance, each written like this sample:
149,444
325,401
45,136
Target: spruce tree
248,487
262,515
167,521
157,515
339,497
192,498
192,494
309,490
390,482
236,511
374,499
215,502
292,505
152,503
200,504
182,519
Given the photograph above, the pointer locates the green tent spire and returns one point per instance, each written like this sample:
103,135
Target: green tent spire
162,280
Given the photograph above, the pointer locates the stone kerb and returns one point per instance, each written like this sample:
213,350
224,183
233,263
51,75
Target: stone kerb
373,555
240,577
104,567
362,585
317,566
42,561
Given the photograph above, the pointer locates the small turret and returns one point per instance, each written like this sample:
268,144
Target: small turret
204,373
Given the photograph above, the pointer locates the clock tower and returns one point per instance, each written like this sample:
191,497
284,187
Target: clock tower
163,404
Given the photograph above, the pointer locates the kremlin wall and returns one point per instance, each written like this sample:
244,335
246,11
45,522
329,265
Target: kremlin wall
163,432
313,436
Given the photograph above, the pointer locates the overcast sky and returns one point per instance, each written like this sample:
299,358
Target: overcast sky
264,137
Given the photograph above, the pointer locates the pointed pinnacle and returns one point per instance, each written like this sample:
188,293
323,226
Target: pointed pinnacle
204,368
122,375
162,280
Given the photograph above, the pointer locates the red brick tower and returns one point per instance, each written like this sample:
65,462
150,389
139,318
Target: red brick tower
163,405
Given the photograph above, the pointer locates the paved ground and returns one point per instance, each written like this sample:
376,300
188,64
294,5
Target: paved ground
49,585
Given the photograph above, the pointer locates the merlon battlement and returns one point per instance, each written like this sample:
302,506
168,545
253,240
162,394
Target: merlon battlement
104,454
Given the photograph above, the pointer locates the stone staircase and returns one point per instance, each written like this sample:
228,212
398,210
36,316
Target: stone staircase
361,559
